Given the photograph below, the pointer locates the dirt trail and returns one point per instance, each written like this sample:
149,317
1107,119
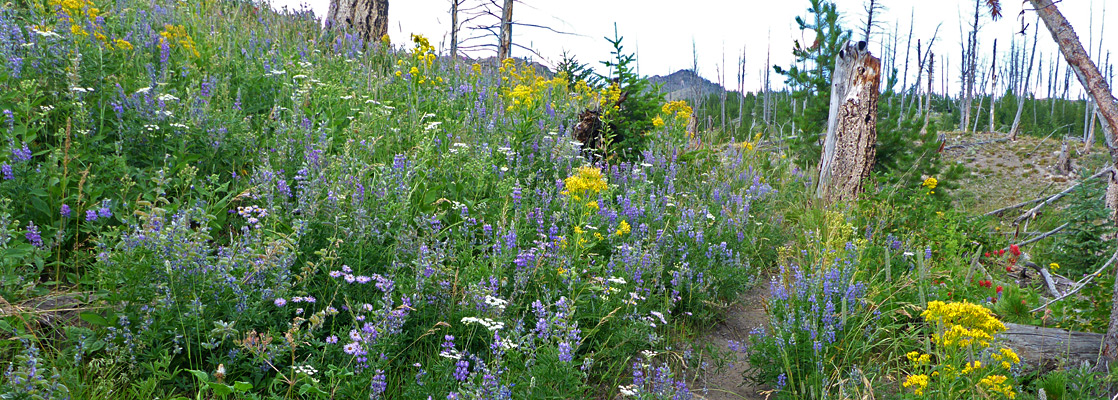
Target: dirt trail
742,317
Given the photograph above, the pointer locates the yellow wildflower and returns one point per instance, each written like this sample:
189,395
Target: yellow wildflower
657,121
997,384
1054,266
587,181
122,44
917,382
623,228
930,183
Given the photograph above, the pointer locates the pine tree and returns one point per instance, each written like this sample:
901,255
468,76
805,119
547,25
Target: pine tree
810,76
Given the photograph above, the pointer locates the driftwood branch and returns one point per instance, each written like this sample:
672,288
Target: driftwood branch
1032,211
1079,285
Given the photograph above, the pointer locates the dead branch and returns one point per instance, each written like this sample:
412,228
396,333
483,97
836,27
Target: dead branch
964,145
1032,212
1079,285
1044,235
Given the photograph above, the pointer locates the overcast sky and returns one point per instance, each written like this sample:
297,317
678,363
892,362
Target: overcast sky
666,34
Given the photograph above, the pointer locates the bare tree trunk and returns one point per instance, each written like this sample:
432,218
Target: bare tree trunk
367,18
907,51
1024,91
1096,85
504,45
454,28
928,93
766,111
848,149
993,84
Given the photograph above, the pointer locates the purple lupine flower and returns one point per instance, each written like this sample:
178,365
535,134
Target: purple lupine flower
21,154
64,211
90,215
104,211
928,253
462,370
565,352
6,170
33,236
280,302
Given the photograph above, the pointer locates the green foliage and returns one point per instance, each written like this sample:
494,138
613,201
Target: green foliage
810,75
1084,247
628,127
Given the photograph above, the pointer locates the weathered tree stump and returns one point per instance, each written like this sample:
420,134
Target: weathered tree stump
848,150
1050,348
366,18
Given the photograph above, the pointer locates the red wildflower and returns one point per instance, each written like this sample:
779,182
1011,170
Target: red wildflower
1008,268
1015,250
987,254
999,289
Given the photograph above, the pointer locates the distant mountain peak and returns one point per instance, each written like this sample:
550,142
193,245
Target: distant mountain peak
685,84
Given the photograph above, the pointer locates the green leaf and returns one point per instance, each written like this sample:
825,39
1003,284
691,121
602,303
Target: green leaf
201,375
221,389
308,388
242,386
93,318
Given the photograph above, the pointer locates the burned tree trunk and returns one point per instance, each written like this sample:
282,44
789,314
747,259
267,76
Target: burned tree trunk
504,45
366,18
848,150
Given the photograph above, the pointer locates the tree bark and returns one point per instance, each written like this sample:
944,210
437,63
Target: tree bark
366,18
504,48
1096,85
848,149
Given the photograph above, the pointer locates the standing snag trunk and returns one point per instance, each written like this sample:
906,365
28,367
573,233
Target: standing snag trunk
1097,87
848,149
504,47
366,18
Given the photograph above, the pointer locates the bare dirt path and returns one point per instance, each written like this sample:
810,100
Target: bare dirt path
726,383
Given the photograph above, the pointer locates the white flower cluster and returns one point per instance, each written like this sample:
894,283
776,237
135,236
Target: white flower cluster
486,322
496,302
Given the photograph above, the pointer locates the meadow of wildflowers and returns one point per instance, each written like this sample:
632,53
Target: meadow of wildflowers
204,199
244,204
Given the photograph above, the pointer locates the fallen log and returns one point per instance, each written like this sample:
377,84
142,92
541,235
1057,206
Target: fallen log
1050,348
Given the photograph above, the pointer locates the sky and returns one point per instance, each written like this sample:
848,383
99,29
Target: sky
666,35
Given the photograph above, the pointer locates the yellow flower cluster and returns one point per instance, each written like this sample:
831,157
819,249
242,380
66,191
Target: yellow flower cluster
77,13
917,383
962,324
997,384
1007,357
680,108
623,228
963,332
749,144
522,88
421,60
916,358
930,183
176,35
586,182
